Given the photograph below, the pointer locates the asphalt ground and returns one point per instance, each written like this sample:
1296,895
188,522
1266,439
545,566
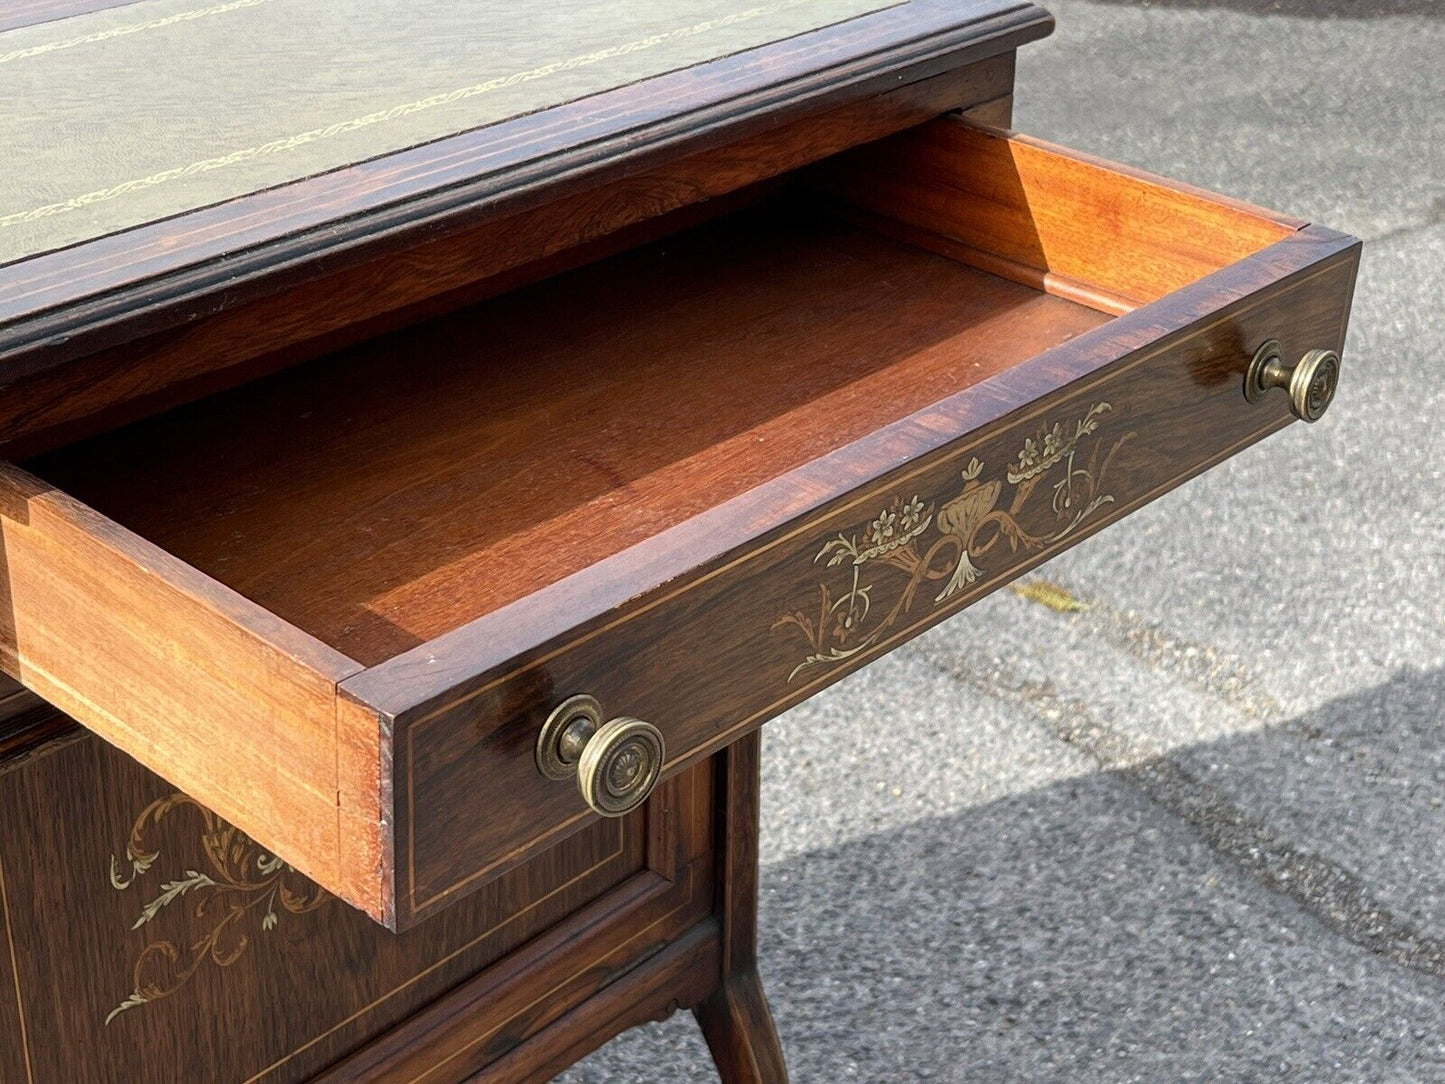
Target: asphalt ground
1195,831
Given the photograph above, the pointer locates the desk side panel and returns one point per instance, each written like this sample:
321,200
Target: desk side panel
147,938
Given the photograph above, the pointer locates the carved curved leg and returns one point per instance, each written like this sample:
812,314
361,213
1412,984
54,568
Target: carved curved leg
738,1027
735,1019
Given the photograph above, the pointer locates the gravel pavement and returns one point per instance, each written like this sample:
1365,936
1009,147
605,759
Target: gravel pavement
1195,832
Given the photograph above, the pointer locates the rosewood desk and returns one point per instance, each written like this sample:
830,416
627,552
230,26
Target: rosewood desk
435,437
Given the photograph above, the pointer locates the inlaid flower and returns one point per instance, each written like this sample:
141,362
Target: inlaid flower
244,884
911,513
1053,440
1029,454
894,555
880,531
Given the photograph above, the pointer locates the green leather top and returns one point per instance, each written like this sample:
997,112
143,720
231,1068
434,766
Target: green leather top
132,114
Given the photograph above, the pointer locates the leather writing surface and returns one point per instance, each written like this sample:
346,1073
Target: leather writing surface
128,115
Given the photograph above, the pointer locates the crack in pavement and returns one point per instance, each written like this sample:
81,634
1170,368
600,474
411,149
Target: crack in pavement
1335,896
1204,667
1434,217
1209,669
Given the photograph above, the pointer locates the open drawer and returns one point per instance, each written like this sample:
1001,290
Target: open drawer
697,482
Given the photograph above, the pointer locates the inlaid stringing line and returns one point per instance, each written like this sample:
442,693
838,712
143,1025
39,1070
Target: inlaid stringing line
123,31
449,957
15,974
301,139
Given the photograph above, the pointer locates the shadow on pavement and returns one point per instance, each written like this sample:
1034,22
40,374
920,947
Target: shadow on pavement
1206,915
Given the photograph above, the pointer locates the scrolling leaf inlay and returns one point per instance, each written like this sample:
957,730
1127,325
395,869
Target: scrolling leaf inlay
236,896
949,540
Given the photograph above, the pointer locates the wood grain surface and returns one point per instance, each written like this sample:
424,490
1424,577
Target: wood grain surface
735,1019
728,436
476,1034
708,654
189,677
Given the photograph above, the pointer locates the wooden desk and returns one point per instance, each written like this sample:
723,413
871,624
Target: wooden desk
437,438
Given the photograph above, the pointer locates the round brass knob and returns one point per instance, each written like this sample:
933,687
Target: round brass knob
1310,381
620,766
616,763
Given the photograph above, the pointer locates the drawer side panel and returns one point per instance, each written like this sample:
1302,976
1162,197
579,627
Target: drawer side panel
224,699
1042,213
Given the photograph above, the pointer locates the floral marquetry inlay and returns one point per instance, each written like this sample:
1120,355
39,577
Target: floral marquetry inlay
917,547
238,892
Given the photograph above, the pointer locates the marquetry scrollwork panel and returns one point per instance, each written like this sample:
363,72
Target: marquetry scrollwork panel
919,550
237,893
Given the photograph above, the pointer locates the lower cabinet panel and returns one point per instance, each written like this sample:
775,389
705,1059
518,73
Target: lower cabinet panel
146,940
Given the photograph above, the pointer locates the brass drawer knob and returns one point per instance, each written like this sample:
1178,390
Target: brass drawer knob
616,763
1310,381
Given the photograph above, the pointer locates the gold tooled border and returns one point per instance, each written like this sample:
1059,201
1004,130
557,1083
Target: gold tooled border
123,31
284,144
1268,295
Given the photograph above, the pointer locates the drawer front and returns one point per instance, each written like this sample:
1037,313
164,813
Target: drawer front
144,938
1112,420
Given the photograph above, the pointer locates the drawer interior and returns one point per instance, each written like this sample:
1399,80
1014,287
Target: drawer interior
389,493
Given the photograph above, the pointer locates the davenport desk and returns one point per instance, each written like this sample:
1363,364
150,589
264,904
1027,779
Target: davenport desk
437,436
